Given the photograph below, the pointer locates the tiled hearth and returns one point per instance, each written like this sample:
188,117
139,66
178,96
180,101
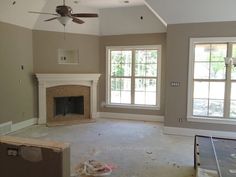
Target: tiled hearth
67,98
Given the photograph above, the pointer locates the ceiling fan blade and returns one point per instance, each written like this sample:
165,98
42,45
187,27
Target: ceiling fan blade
88,15
76,20
50,19
45,13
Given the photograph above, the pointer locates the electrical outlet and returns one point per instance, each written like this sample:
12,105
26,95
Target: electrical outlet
12,152
175,84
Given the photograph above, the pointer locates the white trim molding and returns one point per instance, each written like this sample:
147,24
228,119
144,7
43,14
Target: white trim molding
24,124
212,120
193,132
138,117
51,80
9,127
225,119
132,77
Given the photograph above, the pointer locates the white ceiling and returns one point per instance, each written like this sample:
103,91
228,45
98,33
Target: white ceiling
168,11
194,11
108,3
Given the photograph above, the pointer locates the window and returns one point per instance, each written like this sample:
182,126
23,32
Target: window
212,79
133,76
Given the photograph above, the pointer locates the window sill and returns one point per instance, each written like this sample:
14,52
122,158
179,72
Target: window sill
212,120
128,106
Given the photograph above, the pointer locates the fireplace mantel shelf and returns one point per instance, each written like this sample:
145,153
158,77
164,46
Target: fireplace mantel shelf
67,77
51,80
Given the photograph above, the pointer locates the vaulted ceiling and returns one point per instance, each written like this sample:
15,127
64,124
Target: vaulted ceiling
118,16
194,11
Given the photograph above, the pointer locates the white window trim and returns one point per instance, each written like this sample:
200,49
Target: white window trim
132,106
190,116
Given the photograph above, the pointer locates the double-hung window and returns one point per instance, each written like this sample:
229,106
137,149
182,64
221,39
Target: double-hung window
133,76
212,79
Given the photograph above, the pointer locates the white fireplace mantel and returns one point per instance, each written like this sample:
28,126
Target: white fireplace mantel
51,80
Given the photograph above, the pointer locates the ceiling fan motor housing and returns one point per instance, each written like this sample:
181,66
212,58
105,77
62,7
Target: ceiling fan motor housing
64,10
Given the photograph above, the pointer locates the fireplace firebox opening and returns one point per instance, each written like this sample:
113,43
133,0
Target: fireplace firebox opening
68,105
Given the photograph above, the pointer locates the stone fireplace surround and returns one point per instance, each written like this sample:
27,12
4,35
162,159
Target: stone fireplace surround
51,80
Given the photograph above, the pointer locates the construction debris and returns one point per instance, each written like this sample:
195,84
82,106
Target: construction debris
94,168
149,152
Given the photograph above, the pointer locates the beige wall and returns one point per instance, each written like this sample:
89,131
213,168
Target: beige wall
177,69
47,43
125,40
17,102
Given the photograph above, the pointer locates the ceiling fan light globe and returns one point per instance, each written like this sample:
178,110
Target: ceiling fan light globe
63,20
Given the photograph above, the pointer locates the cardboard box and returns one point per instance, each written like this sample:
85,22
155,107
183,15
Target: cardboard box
23,157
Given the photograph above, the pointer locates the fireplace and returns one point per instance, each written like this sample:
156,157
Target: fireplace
68,103
67,98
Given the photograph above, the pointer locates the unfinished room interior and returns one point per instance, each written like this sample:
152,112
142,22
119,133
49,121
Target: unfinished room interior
120,88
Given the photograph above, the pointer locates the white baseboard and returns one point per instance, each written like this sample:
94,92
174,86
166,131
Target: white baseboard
193,132
23,124
139,117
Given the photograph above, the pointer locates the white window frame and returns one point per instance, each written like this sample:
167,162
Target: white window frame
190,116
158,88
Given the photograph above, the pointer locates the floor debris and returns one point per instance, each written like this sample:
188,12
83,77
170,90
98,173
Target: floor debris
233,156
149,152
93,168
232,171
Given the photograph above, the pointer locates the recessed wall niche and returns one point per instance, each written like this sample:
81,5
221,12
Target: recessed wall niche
68,56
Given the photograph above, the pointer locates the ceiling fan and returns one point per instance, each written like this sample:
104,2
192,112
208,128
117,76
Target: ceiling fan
64,14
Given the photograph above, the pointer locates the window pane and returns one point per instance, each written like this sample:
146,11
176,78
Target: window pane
234,51
201,89
218,52
233,101
115,96
121,69
147,98
152,56
139,98
151,85
119,57
233,109
216,108
202,52
146,63
140,56
201,70
151,70
233,91
115,84
150,98
200,107
217,90
121,63
140,69
120,90
140,84
217,70
146,56
125,84
145,84
125,97
233,73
